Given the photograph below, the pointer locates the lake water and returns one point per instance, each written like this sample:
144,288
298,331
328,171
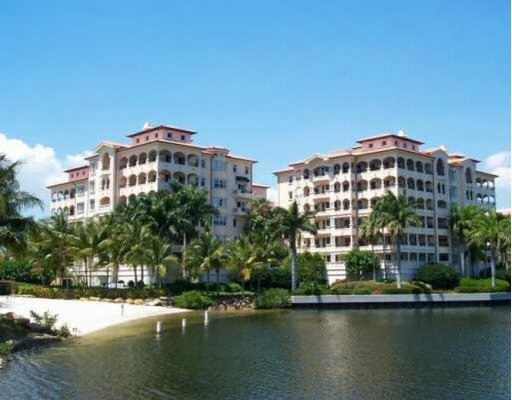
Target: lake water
453,353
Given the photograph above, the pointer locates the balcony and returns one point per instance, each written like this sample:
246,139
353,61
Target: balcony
243,194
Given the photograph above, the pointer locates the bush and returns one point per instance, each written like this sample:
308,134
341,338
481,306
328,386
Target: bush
6,287
342,291
194,300
482,285
234,287
273,298
275,277
63,331
47,320
404,290
362,291
360,263
439,276
6,347
312,289
503,274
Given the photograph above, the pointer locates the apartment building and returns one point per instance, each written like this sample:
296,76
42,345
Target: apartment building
342,186
154,156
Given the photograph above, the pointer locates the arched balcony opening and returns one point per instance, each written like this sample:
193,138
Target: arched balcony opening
410,165
152,156
193,160
400,161
60,195
306,191
492,200
410,184
429,204
345,168
440,167
419,185
179,158
133,161
143,157
428,169
479,198
165,176
142,178
411,201
491,184
165,156
179,177
152,176
362,166
374,201
337,205
105,162
362,204
321,171
337,187
441,204
389,181
105,183
132,180
420,203
122,200
72,210
193,180
305,174
362,186
123,181
428,186
401,182
389,162
346,204
375,165
336,169
419,166
346,186
72,194
123,163
375,184
469,176
66,194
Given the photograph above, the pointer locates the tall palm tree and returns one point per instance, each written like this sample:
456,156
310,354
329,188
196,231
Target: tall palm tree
504,249
139,236
396,214
461,219
370,232
116,249
242,259
205,254
292,224
88,242
159,257
487,233
13,225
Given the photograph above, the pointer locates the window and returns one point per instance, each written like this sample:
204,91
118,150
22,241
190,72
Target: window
92,203
203,163
183,138
137,140
370,145
290,195
219,165
91,187
219,183
413,256
384,142
247,170
80,208
80,189
169,135
220,220
234,222
444,257
219,202
234,168
203,182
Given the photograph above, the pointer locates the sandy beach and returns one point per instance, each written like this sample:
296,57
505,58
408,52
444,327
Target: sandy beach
84,316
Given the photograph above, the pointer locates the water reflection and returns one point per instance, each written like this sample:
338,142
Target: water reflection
373,354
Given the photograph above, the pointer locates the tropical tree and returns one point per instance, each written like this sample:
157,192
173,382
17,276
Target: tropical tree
370,231
138,236
13,201
88,243
358,263
116,249
241,258
396,214
461,220
292,223
159,257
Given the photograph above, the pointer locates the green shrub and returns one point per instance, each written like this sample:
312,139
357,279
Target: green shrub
482,285
503,274
273,298
342,291
475,289
362,291
63,331
47,320
6,347
194,300
439,276
404,290
6,287
312,289
234,287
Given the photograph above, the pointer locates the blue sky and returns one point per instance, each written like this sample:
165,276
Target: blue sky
275,81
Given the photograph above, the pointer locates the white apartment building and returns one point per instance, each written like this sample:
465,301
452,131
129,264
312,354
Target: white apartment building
341,187
116,173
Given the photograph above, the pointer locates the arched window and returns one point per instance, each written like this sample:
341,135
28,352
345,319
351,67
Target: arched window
375,184
123,162
337,187
133,161
400,162
152,176
362,186
410,183
428,169
441,204
122,182
419,166
469,176
389,181
72,194
410,165
429,204
143,158
336,169
142,178
374,200
193,160
105,162
306,191
419,185
337,205
179,158
132,180
428,186
389,162
72,210
479,198
412,201
346,186
179,176
346,204
165,156
305,174
307,207
375,165
440,167
345,168
131,198
152,156
420,203
362,204
193,180
361,166
401,181
165,175
122,200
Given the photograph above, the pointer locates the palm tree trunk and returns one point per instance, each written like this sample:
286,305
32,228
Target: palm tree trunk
207,282
493,270
374,269
142,274
116,274
217,271
183,257
294,265
462,263
398,263
108,269
386,275
135,274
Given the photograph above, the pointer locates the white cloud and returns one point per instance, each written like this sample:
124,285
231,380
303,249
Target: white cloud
499,164
40,166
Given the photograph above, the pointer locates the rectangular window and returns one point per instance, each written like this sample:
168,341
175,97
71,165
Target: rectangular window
203,163
444,257
219,183
203,182
220,220
80,208
91,204
219,202
246,170
219,165
80,189
234,168
91,187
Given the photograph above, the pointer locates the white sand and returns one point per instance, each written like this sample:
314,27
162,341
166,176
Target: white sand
85,316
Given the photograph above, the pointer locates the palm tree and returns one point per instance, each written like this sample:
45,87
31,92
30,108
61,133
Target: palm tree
396,214
242,259
504,250
13,225
160,258
292,223
138,236
88,242
487,232
205,254
370,232
461,219
116,249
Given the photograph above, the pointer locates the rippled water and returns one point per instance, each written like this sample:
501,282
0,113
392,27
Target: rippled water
459,353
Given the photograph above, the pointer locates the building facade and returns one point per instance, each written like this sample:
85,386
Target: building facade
342,186
117,173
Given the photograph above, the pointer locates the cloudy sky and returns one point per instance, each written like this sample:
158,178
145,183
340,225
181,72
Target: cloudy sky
275,81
